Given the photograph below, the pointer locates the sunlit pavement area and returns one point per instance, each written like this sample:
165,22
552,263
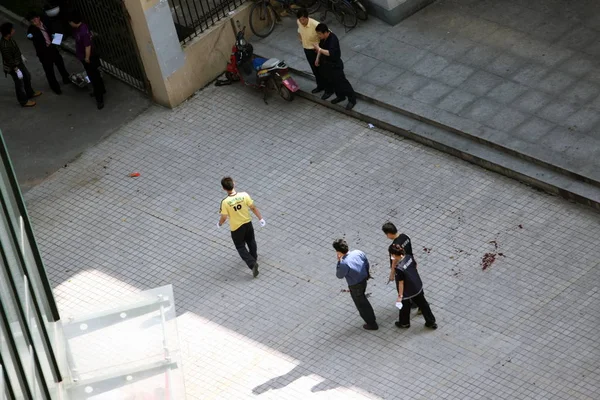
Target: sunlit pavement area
525,327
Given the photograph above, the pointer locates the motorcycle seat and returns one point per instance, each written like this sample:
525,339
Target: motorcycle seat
258,62
270,63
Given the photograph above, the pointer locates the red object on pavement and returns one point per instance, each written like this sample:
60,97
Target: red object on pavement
134,174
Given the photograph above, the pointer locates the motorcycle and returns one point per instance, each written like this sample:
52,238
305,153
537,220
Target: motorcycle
257,72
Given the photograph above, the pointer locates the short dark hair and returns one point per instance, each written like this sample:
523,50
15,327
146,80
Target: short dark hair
388,227
340,245
227,183
32,14
396,250
302,13
322,28
6,28
75,17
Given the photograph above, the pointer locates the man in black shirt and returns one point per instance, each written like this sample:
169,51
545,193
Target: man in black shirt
329,58
400,239
410,287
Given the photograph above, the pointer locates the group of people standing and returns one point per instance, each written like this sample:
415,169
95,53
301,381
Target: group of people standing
41,33
323,53
354,267
351,265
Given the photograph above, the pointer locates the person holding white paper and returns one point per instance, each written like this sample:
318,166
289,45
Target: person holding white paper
40,33
410,287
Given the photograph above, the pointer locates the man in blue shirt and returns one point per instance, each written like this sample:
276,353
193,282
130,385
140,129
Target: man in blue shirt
354,266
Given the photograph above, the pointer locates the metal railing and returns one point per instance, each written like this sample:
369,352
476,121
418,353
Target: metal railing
192,17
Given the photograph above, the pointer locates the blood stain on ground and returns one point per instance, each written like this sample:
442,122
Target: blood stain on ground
487,260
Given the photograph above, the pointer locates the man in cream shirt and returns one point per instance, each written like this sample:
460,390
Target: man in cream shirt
308,37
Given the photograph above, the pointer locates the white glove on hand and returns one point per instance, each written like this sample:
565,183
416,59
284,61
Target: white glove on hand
262,222
19,74
218,225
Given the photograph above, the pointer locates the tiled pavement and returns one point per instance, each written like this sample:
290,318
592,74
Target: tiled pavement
521,74
525,328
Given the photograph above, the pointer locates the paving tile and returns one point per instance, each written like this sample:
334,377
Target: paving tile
578,38
409,82
481,82
480,56
482,110
432,92
430,65
507,119
506,92
530,74
382,74
555,82
454,74
531,101
557,111
582,92
533,129
359,65
583,120
456,101
578,66
454,48
403,55
505,65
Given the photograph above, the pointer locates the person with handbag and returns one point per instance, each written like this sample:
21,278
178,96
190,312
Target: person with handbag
86,53
410,287
13,64
41,34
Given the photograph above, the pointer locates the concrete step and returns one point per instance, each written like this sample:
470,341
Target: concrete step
506,161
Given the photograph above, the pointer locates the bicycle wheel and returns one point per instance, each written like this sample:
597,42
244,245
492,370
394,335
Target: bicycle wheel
311,5
262,19
360,10
345,14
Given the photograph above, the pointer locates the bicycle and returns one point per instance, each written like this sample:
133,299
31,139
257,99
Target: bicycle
342,9
263,16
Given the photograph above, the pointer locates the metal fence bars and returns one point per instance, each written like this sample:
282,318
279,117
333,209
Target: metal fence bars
114,40
192,17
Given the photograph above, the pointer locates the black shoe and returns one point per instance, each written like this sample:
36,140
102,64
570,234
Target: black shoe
397,323
100,105
432,325
326,95
317,90
371,327
59,92
338,100
350,106
255,270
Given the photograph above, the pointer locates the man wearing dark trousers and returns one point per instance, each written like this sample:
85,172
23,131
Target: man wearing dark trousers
86,53
40,33
237,206
410,287
390,230
329,59
13,65
354,266
308,37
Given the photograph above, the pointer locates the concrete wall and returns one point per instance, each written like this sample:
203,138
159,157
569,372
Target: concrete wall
394,11
175,72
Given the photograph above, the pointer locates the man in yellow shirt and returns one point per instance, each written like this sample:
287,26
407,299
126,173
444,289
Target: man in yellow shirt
308,37
237,206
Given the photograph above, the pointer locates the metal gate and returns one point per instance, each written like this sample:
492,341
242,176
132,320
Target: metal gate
113,37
